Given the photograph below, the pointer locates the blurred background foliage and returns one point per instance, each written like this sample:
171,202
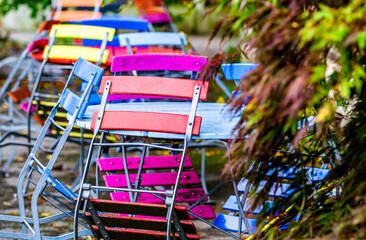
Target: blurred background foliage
312,64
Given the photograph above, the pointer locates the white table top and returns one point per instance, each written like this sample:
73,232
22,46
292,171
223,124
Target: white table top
217,121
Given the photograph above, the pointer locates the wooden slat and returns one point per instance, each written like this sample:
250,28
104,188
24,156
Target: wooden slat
19,94
131,234
150,162
156,86
152,179
203,211
124,23
237,71
146,121
276,190
69,53
183,196
159,17
79,3
232,205
82,32
155,62
147,223
76,15
158,210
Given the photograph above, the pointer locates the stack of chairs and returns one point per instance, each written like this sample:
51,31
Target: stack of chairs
164,125
36,53
152,107
242,217
35,176
156,13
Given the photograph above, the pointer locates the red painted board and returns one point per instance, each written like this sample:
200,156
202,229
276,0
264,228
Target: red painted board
132,234
156,86
152,179
146,121
150,162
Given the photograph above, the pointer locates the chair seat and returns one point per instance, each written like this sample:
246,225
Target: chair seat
152,179
150,162
217,123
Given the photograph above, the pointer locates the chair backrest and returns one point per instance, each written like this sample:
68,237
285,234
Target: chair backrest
153,86
77,15
89,73
149,121
156,62
73,52
236,71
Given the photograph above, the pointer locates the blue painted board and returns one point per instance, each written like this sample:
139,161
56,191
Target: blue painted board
152,38
83,70
59,186
316,174
232,205
125,23
231,223
236,71
276,190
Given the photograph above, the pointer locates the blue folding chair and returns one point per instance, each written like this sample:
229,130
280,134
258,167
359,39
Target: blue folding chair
240,206
37,171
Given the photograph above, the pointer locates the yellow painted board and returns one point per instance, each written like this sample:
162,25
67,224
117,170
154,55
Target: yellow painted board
82,31
74,52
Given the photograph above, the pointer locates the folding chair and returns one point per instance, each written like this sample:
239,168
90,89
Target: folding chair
154,120
241,206
37,171
166,42
155,12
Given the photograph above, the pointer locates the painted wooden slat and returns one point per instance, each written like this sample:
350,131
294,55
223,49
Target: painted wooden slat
154,62
79,3
46,25
20,94
236,71
132,234
147,223
316,174
159,210
156,86
150,162
152,179
188,195
76,15
152,38
158,17
231,223
276,190
147,121
203,211
83,70
125,23
82,32
232,205
75,52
